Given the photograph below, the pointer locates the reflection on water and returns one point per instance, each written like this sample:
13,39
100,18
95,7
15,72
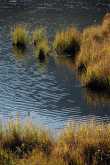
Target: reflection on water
95,98
49,91
62,60
19,53
41,64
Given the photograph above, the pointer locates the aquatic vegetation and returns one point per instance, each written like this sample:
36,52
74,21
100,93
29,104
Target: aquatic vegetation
38,36
91,45
92,41
78,144
97,67
93,61
44,47
42,51
20,36
40,42
67,42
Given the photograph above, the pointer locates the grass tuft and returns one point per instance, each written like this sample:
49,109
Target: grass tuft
67,42
40,42
38,36
20,36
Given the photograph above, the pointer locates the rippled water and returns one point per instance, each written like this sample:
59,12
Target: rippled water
49,92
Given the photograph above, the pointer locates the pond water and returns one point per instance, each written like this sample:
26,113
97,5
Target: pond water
50,92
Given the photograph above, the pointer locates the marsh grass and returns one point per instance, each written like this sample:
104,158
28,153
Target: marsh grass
39,36
67,42
21,140
44,47
93,61
20,36
87,143
97,64
7,158
42,51
78,144
40,42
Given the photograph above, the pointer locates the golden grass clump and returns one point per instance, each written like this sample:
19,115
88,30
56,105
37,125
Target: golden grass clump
40,42
20,36
96,63
88,54
42,51
106,25
93,61
92,33
43,47
92,41
98,75
67,42
38,36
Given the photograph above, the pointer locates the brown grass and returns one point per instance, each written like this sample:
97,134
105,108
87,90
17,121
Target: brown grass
93,61
78,144
20,36
67,42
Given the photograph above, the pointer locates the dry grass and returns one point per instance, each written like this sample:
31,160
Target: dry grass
38,36
67,42
87,143
94,58
44,47
40,42
20,36
78,144
21,140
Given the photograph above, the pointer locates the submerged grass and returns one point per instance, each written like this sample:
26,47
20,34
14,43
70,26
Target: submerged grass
20,36
67,42
78,144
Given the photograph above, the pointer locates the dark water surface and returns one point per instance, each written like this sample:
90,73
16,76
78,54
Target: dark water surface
48,92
